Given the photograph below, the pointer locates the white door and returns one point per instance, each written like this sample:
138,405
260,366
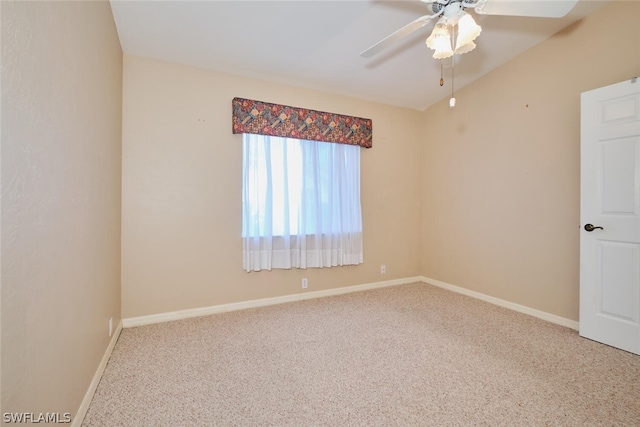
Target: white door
610,198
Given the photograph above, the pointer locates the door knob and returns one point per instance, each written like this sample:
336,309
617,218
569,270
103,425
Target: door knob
591,227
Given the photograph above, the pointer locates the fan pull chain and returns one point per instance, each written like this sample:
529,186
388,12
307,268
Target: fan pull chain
454,38
452,101
441,79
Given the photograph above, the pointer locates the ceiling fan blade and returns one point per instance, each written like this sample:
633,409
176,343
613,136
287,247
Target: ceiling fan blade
401,33
534,8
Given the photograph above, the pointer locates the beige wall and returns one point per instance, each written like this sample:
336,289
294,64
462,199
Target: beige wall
60,183
181,221
500,172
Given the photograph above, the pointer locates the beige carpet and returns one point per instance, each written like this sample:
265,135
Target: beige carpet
409,355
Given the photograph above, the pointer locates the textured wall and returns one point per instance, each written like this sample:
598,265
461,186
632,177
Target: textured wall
181,221
60,184
501,171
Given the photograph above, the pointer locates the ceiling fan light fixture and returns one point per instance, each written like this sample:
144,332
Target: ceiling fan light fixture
440,41
458,26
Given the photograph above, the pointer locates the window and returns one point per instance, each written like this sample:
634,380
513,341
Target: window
301,203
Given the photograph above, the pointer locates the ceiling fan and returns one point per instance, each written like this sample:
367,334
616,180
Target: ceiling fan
458,28
455,30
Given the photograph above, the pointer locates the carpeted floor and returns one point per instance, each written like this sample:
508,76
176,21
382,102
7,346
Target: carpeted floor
408,355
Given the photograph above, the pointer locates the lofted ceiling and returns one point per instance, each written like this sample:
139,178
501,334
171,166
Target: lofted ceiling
316,44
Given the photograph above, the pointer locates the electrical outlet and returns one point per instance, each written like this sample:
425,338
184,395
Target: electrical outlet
305,283
383,269
111,326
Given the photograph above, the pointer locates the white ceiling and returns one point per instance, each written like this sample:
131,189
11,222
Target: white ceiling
317,44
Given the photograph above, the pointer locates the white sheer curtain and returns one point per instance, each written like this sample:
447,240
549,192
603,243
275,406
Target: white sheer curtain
301,203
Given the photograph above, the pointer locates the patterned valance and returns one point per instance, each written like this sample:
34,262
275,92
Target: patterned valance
264,118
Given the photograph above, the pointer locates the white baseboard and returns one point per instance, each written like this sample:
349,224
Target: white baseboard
506,304
88,396
205,311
